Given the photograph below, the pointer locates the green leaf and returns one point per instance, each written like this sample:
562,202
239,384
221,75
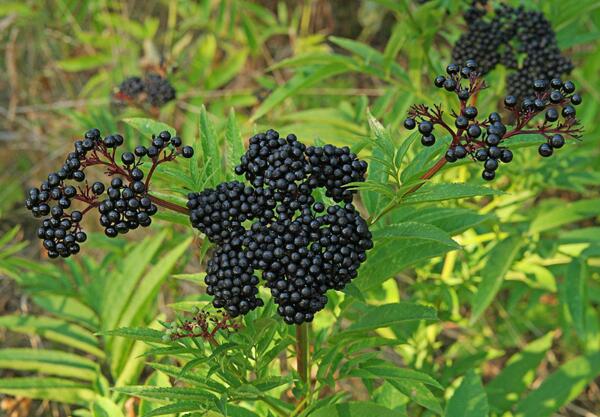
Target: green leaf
355,409
391,255
148,127
151,282
137,333
166,393
418,393
145,293
179,407
384,371
448,191
518,373
575,290
561,387
104,407
122,283
53,389
387,315
225,72
211,157
83,63
564,213
235,147
414,231
498,262
469,399
56,330
299,81
49,362
68,308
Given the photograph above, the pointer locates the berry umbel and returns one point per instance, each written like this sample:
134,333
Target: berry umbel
275,225
485,139
521,40
124,204
153,89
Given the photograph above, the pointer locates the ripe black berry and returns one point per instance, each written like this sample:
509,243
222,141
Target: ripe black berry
425,127
557,141
545,150
428,140
187,151
410,123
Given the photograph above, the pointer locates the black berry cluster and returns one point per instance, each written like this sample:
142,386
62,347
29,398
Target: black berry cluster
275,226
127,204
152,89
485,139
521,40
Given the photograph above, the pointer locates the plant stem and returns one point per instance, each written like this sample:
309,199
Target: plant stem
169,205
303,355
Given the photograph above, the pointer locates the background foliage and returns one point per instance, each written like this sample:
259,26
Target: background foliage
476,300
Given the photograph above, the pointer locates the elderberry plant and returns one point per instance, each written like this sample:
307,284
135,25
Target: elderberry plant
124,205
486,139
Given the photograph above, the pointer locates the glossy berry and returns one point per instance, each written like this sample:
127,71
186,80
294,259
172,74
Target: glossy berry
425,127
450,155
557,141
474,131
568,111
439,81
568,87
488,175
428,140
510,101
461,122
410,123
187,151
470,112
506,156
551,115
545,150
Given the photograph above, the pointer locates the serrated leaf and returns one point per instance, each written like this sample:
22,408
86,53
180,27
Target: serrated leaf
209,141
53,389
565,213
104,407
469,399
518,373
561,387
49,362
498,262
56,330
575,291
448,191
148,127
387,315
413,230
166,393
137,333
390,256
179,407
235,148
356,409
299,81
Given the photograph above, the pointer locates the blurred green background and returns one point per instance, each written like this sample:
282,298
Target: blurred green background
312,68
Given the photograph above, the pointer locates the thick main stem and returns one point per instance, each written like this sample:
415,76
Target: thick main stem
303,354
